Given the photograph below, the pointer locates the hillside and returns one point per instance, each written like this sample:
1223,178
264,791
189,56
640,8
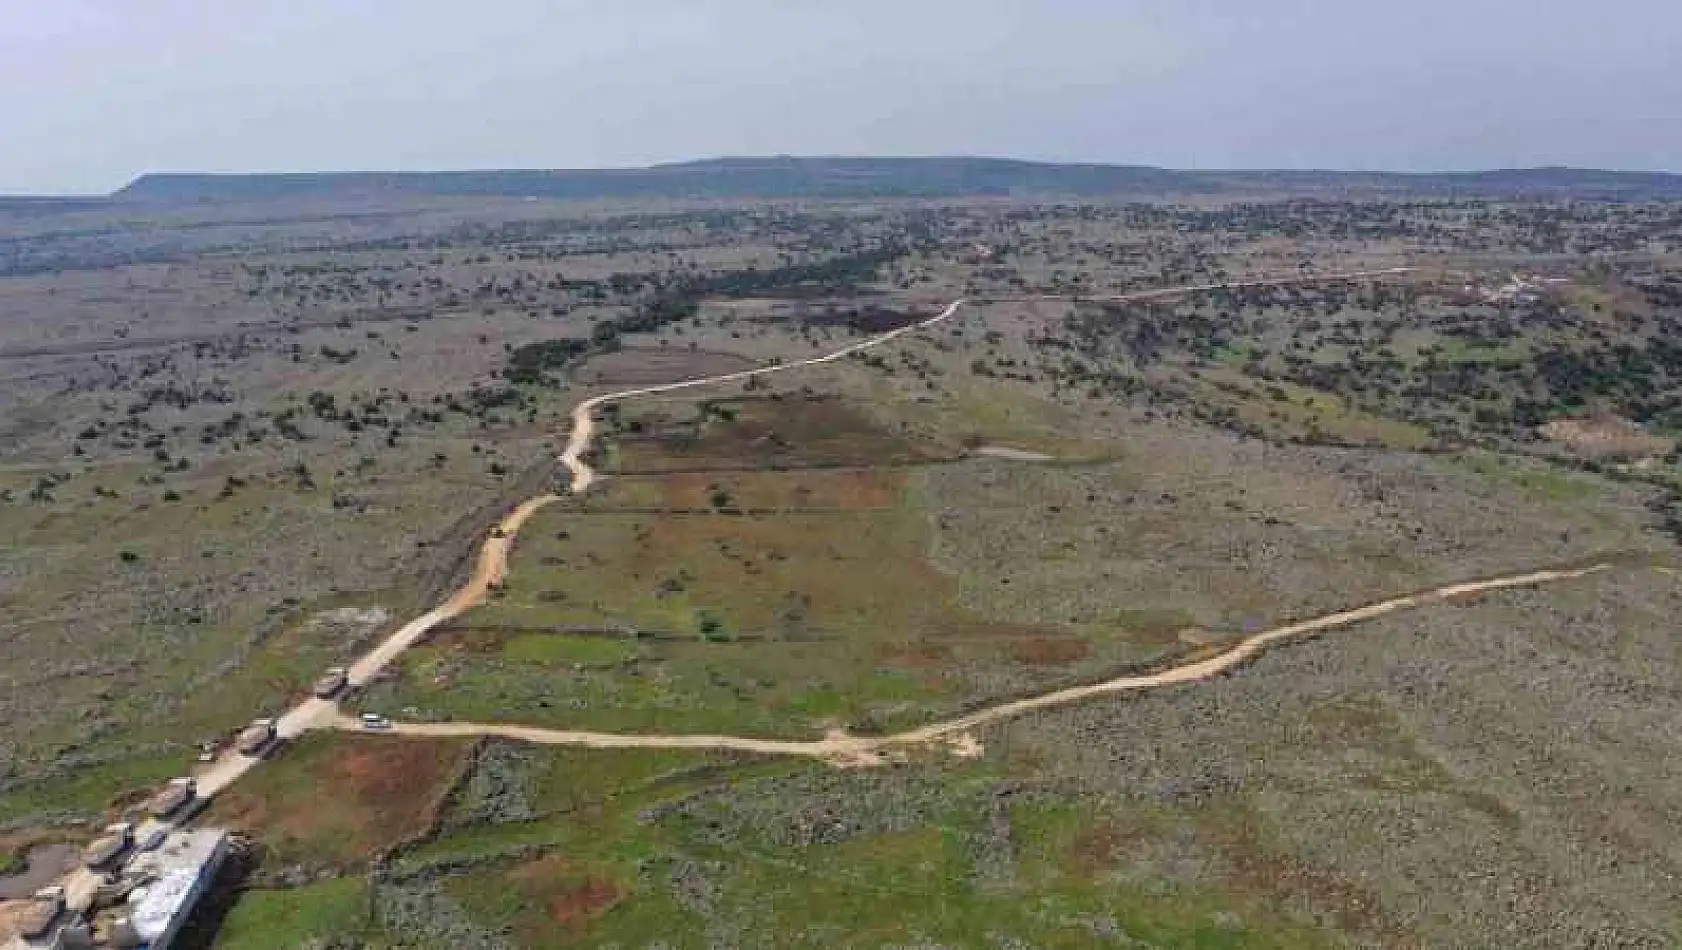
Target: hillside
827,177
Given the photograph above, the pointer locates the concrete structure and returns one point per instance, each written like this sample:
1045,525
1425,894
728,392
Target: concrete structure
172,877
163,873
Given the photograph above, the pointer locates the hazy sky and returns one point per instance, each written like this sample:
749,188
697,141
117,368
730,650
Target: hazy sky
93,92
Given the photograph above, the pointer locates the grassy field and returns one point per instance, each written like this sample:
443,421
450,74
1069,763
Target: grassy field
794,856
775,622
774,602
293,918
335,801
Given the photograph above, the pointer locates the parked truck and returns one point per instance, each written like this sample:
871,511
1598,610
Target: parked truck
256,738
332,682
106,850
173,798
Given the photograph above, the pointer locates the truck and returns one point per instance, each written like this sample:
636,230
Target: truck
39,915
173,798
332,682
256,737
105,851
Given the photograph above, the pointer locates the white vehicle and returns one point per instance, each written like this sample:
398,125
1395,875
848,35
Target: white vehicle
375,721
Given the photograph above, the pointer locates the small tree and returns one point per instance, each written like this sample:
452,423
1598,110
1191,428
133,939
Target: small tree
712,629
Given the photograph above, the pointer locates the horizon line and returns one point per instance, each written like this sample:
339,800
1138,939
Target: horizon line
29,194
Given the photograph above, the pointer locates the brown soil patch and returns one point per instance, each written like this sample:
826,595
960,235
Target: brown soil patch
973,628
1098,847
343,800
1049,651
384,771
1606,437
1161,628
1255,869
570,896
583,903
849,489
789,431
653,365
917,656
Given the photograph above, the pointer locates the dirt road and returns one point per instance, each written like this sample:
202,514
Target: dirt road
1258,282
493,565
1242,652
846,750
314,713
583,416
1136,295
1012,454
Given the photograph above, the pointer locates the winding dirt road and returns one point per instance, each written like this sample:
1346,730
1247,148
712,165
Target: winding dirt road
845,750
492,567
315,713
837,748
584,420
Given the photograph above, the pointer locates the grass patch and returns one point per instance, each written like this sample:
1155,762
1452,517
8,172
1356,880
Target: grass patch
1534,478
286,920
94,788
785,430
1460,350
633,874
541,649
777,621
1291,410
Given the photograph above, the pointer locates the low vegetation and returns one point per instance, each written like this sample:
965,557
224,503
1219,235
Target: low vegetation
221,473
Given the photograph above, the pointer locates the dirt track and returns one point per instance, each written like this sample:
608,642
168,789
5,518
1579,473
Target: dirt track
837,748
584,420
313,713
492,567
846,750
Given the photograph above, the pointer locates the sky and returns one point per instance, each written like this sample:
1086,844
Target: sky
95,92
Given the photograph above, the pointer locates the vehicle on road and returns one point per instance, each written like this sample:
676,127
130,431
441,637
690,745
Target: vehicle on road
256,738
332,682
103,853
375,721
173,798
